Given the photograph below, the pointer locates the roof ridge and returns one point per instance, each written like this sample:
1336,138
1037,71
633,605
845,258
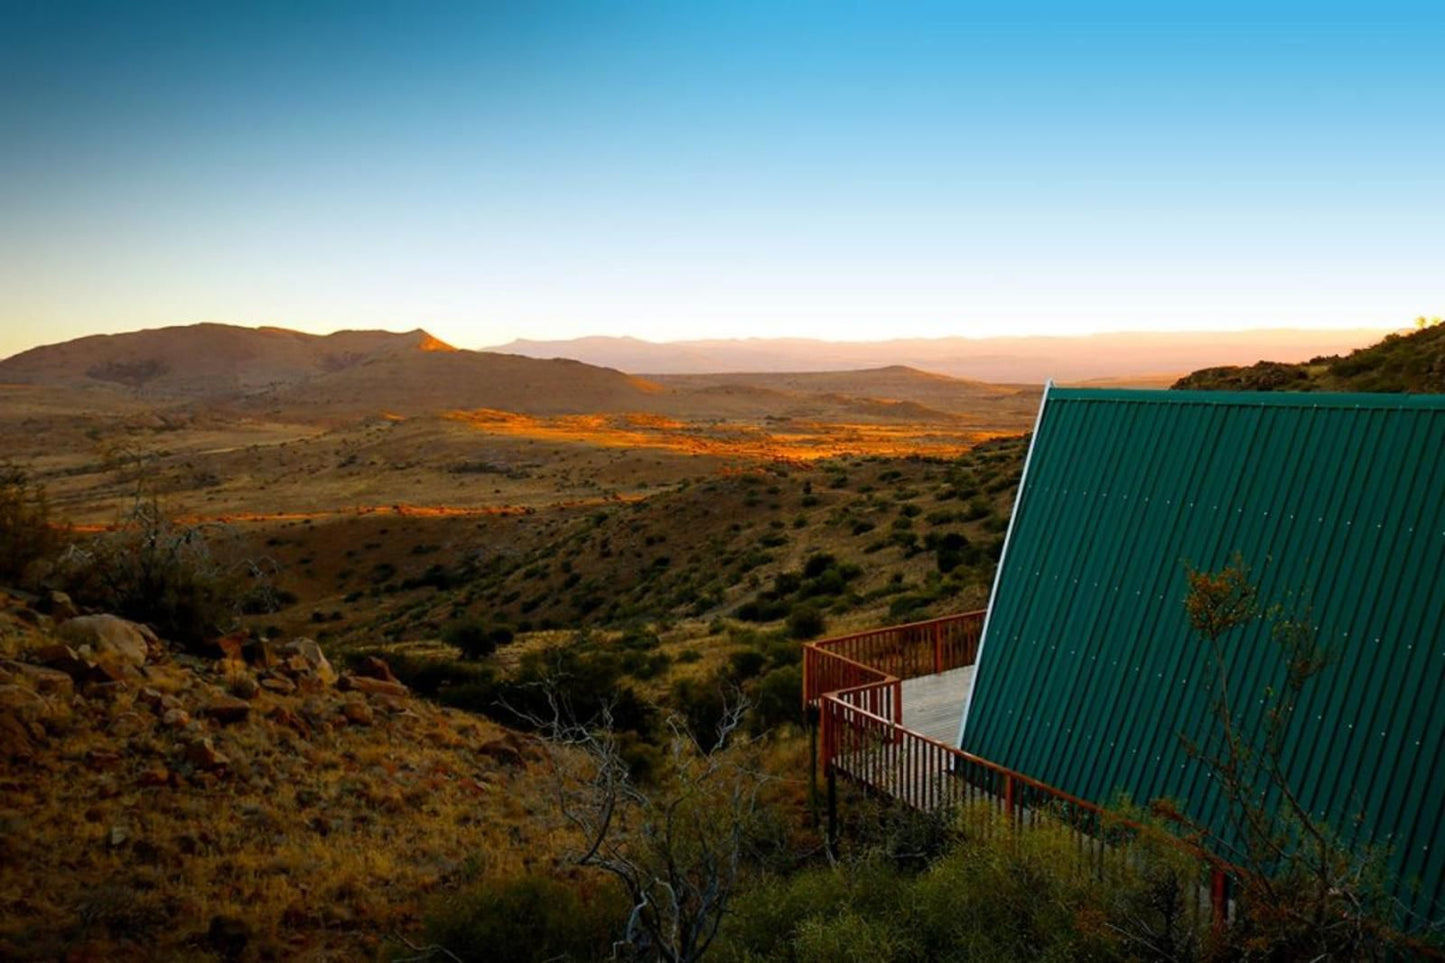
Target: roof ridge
1286,399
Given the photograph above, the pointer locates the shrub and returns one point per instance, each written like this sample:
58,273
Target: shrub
778,698
529,919
805,622
474,639
154,571
26,534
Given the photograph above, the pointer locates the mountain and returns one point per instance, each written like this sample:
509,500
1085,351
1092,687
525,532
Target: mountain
1412,363
206,360
1008,360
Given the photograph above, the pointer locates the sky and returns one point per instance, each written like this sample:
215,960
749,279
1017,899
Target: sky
676,170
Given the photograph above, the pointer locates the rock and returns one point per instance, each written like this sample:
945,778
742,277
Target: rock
244,687
278,684
176,719
503,751
104,690
63,659
361,683
117,836
154,776
59,606
24,703
51,682
127,724
17,742
109,639
227,709
230,646
282,716
228,936
260,653
357,713
202,754
304,657
102,759
373,668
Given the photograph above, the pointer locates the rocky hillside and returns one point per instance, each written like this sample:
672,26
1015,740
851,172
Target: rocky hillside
1413,363
255,805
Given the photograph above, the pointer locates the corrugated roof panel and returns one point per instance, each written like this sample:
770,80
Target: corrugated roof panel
1089,673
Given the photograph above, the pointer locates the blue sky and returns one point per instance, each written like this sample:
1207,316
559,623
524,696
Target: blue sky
676,170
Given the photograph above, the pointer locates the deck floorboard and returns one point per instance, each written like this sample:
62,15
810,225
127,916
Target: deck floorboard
933,704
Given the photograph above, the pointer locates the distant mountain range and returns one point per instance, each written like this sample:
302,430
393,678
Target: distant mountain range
1127,356
273,372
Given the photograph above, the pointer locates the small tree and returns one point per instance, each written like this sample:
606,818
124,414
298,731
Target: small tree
26,533
676,849
155,570
1307,894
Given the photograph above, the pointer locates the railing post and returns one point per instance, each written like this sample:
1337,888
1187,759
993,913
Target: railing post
1008,796
832,807
937,648
1219,899
813,767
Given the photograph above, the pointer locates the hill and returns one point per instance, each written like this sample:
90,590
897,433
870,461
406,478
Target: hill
1412,363
418,382
1004,360
895,383
156,805
206,360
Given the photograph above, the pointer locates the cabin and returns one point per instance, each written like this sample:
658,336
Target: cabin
1084,681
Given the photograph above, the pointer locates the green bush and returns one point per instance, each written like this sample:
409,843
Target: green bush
530,919
778,698
805,622
474,639
995,894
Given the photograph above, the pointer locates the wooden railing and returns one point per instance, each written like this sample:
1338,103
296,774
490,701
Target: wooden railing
882,657
852,686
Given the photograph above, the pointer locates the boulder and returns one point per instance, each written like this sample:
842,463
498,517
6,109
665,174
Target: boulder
373,668
108,638
304,657
63,658
202,754
244,687
227,709
230,646
50,682
361,683
278,684
176,719
24,703
260,654
59,606
357,712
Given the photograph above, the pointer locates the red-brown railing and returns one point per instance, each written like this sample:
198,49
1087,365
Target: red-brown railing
854,685
888,655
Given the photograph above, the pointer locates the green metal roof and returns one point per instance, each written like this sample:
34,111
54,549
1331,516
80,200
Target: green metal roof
1089,672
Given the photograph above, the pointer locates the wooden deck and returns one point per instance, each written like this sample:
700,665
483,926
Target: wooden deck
933,704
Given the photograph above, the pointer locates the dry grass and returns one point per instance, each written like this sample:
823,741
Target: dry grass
323,840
